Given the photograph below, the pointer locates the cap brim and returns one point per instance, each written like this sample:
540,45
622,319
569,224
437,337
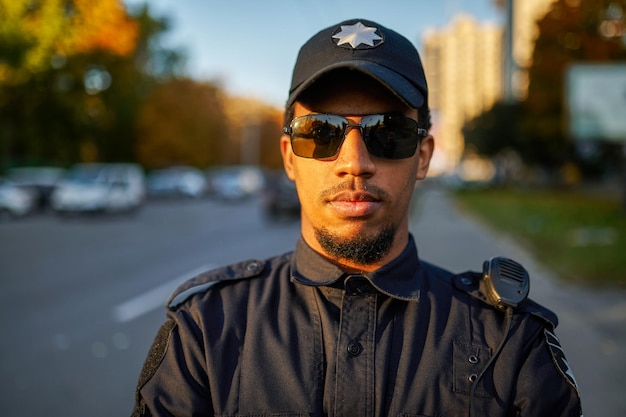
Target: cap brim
398,85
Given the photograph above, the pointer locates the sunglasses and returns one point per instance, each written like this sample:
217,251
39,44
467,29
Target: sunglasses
387,136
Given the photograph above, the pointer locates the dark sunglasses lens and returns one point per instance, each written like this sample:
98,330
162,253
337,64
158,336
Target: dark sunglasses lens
317,135
390,136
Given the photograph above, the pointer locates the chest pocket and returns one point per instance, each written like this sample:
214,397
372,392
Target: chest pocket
468,362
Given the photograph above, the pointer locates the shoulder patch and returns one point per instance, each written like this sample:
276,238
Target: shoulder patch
153,360
559,360
201,283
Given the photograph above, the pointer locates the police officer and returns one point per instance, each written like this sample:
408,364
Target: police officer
353,322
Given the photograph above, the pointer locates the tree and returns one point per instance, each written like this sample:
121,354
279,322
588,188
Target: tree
36,36
253,121
72,77
570,32
181,122
194,123
495,130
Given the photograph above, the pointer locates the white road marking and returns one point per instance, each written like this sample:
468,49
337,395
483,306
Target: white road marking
151,299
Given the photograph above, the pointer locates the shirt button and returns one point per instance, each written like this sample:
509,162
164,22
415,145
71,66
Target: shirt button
253,267
355,348
358,285
466,281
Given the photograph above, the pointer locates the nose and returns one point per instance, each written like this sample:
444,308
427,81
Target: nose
354,158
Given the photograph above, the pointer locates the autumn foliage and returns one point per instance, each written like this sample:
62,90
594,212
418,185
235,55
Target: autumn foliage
87,81
181,122
98,24
189,122
34,33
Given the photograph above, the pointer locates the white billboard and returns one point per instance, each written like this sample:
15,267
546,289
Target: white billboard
595,101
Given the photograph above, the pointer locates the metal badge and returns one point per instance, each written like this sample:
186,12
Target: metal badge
357,36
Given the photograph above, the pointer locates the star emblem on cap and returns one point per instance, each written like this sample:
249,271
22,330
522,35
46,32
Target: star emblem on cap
356,35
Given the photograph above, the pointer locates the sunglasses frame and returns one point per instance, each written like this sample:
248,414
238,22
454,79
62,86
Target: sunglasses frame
346,125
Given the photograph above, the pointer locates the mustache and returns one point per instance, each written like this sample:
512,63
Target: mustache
353,187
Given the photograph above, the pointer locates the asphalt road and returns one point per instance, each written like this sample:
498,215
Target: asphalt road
82,298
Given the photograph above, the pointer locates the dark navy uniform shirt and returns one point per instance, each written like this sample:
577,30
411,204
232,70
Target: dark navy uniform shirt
296,336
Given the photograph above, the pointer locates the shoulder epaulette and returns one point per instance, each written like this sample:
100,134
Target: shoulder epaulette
469,282
204,281
540,311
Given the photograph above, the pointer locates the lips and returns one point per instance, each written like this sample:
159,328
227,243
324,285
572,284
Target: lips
355,196
355,204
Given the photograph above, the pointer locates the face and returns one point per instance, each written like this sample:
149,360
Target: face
355,197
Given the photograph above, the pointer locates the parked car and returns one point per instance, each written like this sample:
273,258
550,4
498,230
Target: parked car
280,198
236,182
14,201
178,181
40,181
100,187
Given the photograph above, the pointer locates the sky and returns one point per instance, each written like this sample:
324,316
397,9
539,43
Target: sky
250,46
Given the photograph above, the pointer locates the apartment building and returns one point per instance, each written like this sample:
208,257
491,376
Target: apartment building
463,64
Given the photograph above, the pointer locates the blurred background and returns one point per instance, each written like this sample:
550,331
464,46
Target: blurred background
139,146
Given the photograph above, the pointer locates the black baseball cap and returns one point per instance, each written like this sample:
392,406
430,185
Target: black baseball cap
368,47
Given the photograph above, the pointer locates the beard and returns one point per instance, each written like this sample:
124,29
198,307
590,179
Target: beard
362,250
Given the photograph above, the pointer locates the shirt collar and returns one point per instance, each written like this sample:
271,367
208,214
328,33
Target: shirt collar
401,278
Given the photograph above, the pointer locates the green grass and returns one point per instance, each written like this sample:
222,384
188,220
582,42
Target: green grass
581,238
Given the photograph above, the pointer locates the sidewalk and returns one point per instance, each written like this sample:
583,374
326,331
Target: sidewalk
592,324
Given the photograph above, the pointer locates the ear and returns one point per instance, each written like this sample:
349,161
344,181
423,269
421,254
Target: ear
288,156
425,153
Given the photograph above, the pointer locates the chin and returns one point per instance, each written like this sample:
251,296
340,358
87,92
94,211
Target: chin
357,246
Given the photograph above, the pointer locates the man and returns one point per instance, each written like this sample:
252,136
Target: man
353,323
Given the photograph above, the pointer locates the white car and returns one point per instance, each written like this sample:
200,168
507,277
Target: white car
100,188
177,181
39,180
15,201
236,182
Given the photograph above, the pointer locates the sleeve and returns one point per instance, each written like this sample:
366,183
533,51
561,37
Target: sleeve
173,381
546,386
